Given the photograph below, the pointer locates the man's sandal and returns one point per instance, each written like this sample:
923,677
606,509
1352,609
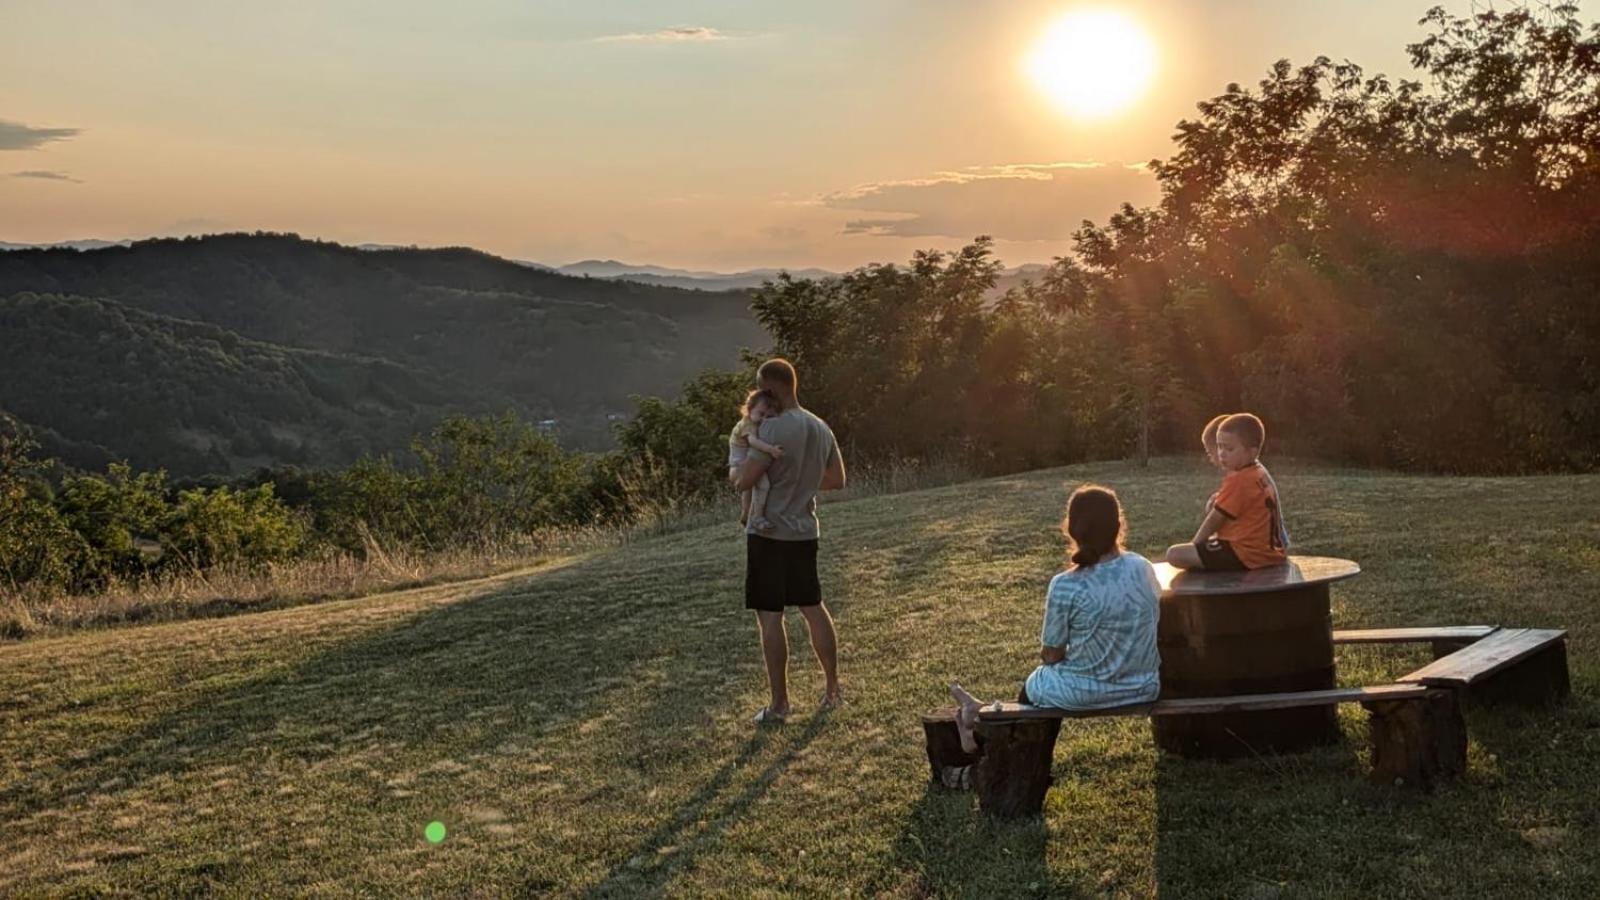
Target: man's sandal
767,717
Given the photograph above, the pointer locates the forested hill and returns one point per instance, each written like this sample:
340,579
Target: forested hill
218,354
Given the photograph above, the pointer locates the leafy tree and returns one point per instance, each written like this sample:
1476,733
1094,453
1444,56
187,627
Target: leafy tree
672,451
486,477
222,526
37,548
117,516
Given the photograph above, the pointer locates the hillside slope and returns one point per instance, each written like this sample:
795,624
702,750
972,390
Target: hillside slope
115,382
583,729
481,330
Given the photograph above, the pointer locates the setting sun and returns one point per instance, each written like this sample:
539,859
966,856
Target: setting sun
1093,63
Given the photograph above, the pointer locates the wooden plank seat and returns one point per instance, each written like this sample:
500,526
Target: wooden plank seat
1526,666
1445,639
1418,737
1202,705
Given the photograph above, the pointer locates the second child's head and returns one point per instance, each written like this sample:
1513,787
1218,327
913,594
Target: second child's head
1094,525
1240,438
760,405
1208,439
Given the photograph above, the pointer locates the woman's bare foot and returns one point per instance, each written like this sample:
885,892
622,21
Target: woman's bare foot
963,698
967,707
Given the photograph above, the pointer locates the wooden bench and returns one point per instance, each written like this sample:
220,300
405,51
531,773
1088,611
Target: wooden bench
1526,666
1418,737
1445,639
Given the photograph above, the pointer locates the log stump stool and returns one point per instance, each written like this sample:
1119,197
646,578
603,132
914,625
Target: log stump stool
1258,632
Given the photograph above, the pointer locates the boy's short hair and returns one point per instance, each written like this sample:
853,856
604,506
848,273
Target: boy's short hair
1208,435
1246,427
778,371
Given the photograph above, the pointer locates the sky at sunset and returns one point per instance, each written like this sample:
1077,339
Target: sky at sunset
711,135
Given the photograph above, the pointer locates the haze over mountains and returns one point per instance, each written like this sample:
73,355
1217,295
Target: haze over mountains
216,355
89,244
684,278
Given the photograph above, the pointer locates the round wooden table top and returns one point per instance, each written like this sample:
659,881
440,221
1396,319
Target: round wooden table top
1299,571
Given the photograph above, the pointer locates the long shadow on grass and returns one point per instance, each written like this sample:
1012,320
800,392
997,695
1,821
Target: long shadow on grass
513,665
645,869
953,848
653,639
1244,827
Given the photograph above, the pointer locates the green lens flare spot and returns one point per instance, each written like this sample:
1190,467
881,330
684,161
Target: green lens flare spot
434,832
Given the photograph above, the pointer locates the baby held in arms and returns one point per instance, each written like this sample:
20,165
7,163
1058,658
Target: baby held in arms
758,406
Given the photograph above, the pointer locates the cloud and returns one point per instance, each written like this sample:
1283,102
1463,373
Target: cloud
1018,201
676,35
784,233
46,176
17,136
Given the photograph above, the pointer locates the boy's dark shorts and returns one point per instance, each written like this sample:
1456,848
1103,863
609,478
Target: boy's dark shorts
1216,555
780,573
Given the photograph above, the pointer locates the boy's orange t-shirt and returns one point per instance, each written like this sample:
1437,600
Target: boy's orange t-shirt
1248,502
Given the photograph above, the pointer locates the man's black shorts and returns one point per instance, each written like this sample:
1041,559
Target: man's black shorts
780,573
1217,555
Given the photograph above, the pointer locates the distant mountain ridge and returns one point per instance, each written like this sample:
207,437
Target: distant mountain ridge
196,321
616,270
666,276
89,244
751,278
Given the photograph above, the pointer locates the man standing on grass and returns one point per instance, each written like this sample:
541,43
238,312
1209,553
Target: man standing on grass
781,563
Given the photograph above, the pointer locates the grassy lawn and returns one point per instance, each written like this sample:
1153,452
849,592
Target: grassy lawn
581,729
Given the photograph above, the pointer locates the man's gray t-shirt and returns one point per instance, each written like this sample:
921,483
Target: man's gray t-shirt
808,448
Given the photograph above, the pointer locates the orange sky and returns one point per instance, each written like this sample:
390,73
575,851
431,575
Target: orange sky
712,135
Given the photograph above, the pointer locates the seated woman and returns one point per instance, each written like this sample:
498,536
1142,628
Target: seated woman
1099,637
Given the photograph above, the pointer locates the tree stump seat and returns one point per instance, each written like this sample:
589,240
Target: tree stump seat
1418,737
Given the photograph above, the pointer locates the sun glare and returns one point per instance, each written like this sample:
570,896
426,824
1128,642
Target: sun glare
1093,63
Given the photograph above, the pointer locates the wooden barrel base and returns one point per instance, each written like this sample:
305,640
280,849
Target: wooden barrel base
1237,735
1246,643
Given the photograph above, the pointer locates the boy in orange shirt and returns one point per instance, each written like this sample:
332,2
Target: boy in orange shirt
1243,527
1208,440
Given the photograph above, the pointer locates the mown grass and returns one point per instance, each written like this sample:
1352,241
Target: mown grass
582,729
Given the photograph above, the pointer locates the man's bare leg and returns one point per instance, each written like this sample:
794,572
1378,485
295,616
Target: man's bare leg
825,641
775,652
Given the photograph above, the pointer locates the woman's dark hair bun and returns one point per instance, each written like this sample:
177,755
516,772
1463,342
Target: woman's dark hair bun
1093,525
